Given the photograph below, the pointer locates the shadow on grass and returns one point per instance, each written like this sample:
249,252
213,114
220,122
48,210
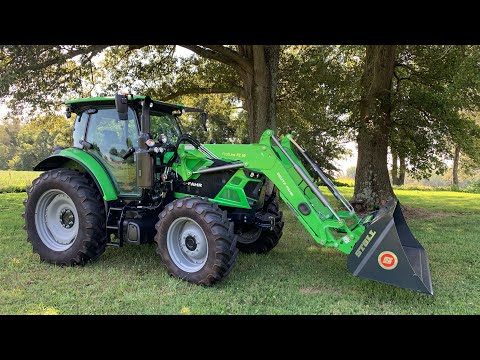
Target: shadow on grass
314,269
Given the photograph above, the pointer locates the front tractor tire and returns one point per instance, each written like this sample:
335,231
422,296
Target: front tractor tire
254,240
195,241
65,218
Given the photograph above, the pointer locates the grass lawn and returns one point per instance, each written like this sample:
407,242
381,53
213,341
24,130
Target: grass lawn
16,181
297,277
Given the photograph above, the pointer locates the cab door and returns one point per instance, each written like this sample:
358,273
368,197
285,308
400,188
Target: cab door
110,139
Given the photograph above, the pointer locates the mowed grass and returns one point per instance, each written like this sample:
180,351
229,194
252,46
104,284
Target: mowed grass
16,181
297,277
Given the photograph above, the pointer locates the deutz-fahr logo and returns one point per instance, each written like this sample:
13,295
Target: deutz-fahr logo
365,243
190,183
285,183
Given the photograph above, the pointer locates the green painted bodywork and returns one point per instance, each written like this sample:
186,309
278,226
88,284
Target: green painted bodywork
231,194
87,161
262,157
320,222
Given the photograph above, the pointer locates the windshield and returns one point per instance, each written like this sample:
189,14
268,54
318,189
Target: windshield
163,123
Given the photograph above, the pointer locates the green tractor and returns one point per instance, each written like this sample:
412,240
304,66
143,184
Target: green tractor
133,176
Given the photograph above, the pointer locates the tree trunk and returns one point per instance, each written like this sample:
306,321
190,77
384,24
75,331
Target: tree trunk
456,160
398,172
372,182
394,168
260,86
401,174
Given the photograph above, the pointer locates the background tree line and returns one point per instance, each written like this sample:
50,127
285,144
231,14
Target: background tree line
415,104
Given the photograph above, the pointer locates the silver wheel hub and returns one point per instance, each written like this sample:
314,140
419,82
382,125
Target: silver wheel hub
56,220
187,244
67,218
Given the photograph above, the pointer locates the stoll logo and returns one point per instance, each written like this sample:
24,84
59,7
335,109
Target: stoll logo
284,183
365,243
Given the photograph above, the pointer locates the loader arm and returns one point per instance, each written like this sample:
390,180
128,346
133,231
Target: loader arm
313,211
380,246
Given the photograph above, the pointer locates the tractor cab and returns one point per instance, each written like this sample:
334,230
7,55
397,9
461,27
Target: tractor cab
112,134
105,118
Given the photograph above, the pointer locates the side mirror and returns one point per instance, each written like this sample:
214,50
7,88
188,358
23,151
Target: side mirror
201,111
68,112
121,103
204,120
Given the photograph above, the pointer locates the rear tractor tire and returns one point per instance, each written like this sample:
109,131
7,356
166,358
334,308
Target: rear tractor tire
195,240
254,240
65,218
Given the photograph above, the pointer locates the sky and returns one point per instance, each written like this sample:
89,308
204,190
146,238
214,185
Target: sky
182,52
3,110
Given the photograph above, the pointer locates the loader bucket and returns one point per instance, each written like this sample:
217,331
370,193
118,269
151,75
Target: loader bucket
388,252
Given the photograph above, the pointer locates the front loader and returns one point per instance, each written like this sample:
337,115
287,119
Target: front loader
133,176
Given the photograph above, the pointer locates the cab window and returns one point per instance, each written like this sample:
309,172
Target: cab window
110,139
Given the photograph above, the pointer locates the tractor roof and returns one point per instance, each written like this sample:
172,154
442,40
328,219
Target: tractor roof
76,104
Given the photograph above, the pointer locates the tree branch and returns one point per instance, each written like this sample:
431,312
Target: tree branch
241,60
209,54
223,57
203,90
94,49
134,47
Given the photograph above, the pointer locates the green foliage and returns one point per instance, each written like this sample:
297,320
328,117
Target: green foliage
474,188
150,70
433,88
226,122
316,86
434,95
43,75
29,143
9,130
350,172
317,98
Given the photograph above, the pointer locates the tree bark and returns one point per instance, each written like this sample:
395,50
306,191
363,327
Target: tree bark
401,174
260,87
456,161
372,182
398,170
394,168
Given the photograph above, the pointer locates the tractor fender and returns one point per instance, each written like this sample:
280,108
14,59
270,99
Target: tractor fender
77,159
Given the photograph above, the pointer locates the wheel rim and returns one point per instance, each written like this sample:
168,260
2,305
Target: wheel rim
56,220
187,244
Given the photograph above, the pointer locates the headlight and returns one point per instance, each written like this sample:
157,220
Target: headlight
150,142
